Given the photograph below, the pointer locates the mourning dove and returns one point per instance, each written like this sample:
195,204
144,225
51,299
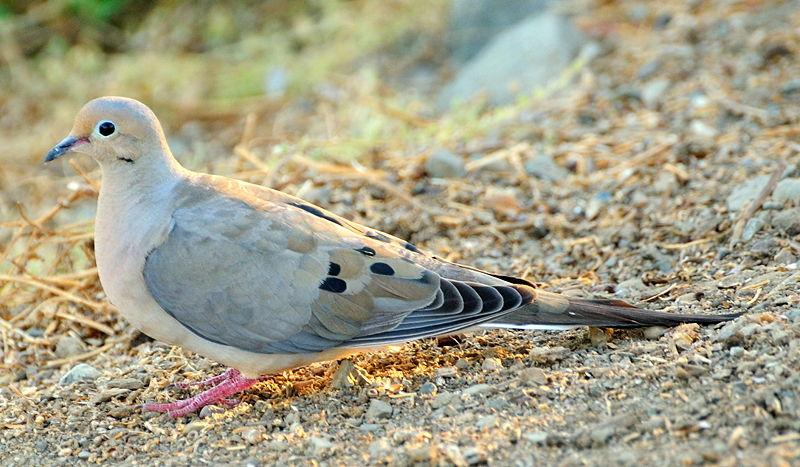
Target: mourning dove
261,281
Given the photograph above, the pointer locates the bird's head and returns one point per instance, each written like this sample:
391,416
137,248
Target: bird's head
113,130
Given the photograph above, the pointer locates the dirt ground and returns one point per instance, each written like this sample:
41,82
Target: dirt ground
665,172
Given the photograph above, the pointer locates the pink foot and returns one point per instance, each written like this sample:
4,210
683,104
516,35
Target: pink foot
226,385
213,381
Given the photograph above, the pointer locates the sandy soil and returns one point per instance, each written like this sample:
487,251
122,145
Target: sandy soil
677,188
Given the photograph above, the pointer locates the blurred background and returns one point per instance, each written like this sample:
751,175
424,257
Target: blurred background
544,116
343,80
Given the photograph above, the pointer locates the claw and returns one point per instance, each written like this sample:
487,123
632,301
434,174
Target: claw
225,385
213,381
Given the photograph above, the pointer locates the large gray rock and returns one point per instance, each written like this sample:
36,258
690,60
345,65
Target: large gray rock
522,58
473,23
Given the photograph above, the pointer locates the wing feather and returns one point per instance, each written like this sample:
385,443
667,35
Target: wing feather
254,269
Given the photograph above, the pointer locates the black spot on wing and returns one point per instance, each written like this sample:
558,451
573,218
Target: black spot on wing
382,269
334,269
333,284
411,247
316,211
365,250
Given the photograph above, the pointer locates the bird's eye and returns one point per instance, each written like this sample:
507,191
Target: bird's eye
106,128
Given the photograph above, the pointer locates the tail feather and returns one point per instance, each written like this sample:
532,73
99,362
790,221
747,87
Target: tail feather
557,311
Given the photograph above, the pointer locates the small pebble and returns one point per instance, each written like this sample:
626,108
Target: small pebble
68,346
126,383
369,427
654,332
253,435
478,389
80,372
210,410
428,388
447,372
442,400
492,364
378,409
537,437
319,445
444,164
533,376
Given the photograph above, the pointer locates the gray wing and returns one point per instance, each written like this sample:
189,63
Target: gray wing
271,277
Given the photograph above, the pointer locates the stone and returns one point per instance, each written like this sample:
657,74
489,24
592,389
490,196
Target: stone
369,427
68,346
702,129
654,332
253,434
477,389
787,190
518,60
110,393
428,388
744,193
729,333
210,410
631,288
125,383
751,228
79,372
447,372
444,164
474,455
492,364
420,454
473,23
488,421
785,256
379,449
653,92
536,437
544,167
442,400
319,445
548,354
787,221
533,376
378,409
791,87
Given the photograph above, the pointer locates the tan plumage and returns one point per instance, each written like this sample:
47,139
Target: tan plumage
262,281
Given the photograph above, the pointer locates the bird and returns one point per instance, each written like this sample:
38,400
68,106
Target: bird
262,281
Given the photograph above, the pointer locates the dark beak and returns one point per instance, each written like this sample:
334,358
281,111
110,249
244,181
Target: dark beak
62,148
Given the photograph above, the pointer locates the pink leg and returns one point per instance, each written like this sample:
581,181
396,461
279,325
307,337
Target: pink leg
225,388
213,381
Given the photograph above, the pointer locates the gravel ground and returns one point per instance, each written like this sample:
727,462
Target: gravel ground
665,174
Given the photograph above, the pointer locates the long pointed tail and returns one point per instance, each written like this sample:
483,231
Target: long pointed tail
549,310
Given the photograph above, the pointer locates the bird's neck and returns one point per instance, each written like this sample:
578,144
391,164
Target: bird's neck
148,178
